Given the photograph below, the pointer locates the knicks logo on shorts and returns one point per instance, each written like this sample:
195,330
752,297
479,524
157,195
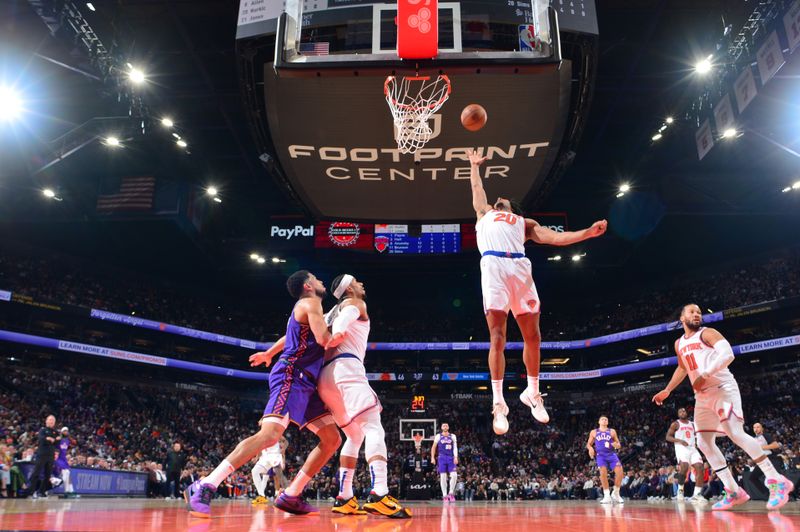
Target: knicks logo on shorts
721,412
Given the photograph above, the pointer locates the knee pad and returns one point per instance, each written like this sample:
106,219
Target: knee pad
353,443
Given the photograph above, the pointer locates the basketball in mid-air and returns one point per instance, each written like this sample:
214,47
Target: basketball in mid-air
473,117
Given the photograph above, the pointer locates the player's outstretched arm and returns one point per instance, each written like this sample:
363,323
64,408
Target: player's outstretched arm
479,201
545,235
265,357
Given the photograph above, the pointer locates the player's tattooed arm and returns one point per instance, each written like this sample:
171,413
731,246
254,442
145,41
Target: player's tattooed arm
544,235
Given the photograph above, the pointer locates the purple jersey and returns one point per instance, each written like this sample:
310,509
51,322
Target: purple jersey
445,447
63,445
603,442
302,352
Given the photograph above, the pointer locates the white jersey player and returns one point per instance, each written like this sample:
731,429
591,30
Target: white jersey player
682,434
355,407
270,458
507,284
704,355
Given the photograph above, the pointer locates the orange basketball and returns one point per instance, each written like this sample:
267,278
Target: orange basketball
473,117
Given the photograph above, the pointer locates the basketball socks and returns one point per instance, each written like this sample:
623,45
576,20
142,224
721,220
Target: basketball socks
346,482
298,484
727,479
698,490
453,481
607,493
769,470
223,471
680,489
533,384
497,391
443,483
380,483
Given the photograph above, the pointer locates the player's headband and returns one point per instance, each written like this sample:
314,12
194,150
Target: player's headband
343,285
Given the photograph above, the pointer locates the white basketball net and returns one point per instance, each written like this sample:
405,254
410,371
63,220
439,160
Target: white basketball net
412,101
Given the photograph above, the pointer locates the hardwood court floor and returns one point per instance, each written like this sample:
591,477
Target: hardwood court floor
139,515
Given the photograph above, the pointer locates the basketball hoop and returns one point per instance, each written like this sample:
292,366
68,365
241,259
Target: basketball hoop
417,441
411,107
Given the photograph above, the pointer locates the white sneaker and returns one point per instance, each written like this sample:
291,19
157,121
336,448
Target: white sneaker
680,496
606,500
698,499
617,498
500,422
536,404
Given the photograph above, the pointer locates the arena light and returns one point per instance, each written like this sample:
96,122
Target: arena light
254,256
787,189
704,66
181,143
10,104
656,137
136,75
167,122
644,351
554,258
729,133
49,193
621,381
112,142
657,376
670,120
261,260
623,189
662,128
212,191
90,6
555,361
176,136
796,185
577,257
217,199
276,260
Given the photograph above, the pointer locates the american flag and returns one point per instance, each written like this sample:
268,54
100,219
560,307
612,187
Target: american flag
135,194
315,48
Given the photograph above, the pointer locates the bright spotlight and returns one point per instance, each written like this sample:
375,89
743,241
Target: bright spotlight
212,191
261,260
136,76
90,6
181,143
254,256
49,193
166,122
704,66
112,141
10,104
276,260
670,120
729,133
624,187
656,137
787,189
796,185
576,258
555,258
216,198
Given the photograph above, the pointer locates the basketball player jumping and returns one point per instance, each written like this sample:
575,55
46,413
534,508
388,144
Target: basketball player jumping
507,284
446,446
602,443
355,407
272,458
682,434
704,355
292,398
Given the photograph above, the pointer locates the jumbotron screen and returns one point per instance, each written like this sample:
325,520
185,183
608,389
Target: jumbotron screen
402,239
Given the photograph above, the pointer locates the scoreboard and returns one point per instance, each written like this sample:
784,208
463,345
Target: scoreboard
401,239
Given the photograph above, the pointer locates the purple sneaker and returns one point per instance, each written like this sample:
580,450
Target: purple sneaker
294,505
198,498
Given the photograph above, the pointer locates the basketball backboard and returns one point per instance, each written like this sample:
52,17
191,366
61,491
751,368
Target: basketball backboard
331,135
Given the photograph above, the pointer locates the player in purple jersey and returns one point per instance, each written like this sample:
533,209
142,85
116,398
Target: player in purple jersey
447,448
602,443
61,466
293,398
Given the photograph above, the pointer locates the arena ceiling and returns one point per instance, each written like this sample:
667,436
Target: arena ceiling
725,207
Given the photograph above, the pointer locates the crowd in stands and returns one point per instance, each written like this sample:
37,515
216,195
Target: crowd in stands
132,426
765,279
